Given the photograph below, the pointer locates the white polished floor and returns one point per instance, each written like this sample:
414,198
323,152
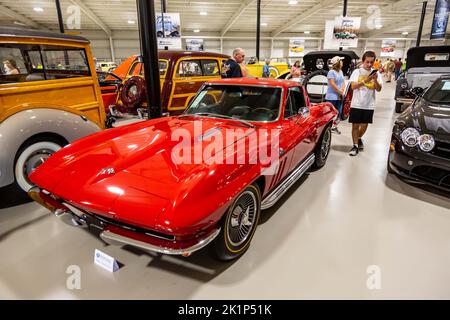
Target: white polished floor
318,242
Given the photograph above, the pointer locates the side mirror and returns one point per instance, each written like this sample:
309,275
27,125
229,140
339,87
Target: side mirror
417,91
304,112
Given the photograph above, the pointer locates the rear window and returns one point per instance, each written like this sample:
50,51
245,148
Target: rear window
437,57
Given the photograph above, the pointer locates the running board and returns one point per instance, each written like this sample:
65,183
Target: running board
281,189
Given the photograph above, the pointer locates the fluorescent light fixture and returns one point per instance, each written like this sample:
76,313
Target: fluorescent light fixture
203,13
378,26
307,32
405,33
38,9
264,24
293,2
196,30
131,22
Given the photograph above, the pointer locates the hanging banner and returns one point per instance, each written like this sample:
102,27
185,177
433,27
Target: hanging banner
346,31
440,20
388,48
194,45
296,47
329,42
169,37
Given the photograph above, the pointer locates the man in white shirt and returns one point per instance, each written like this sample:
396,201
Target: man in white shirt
365,81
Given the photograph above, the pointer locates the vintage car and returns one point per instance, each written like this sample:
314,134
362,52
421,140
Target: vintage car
423,66
255,68
49,97
106,66
132,187
315,71
182,73
420,145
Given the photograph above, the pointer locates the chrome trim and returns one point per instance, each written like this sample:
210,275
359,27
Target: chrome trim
70,218
279,191
117,239
404,100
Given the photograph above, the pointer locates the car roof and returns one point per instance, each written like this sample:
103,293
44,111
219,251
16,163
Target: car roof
30,33
416,56
263,82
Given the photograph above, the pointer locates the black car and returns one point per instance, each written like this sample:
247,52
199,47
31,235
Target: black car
420,145
423,66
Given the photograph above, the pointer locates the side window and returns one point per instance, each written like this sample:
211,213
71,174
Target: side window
13,64
289,111
210,68
298,99
136,69
189,68
62,62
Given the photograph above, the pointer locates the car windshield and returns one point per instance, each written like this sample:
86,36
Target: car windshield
247,103
439,92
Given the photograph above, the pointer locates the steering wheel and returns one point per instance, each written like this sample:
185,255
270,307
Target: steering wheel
266,110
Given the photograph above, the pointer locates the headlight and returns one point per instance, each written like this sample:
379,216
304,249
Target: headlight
410,137
426,143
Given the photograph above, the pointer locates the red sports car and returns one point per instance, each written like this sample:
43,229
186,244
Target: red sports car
176,184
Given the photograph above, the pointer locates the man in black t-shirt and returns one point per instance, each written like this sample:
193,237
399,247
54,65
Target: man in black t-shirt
231,68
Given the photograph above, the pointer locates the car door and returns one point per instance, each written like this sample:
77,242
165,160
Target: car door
304,129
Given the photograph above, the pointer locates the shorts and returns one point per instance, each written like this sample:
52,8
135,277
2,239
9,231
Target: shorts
360,116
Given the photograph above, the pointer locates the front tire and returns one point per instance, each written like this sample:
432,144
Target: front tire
323,148
239,225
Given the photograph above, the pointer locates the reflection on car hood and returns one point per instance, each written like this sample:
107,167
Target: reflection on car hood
429,118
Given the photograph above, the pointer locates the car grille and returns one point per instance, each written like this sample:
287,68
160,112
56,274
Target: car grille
437,176
442,149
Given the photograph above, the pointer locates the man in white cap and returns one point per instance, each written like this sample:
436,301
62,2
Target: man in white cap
336,88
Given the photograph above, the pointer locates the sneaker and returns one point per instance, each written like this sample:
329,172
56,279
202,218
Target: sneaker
360,145
335,130
354,152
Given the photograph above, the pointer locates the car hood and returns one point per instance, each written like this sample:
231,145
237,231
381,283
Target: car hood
128,173
429,118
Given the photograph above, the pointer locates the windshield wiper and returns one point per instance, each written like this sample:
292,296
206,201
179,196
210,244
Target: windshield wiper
215,115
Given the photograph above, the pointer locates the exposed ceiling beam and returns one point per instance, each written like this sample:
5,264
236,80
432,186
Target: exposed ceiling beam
20,18
236,16
305,15
397,25
92,16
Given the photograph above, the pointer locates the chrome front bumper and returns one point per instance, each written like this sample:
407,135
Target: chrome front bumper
75,217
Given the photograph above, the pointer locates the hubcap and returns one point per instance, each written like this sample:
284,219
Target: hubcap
242,218
35,160
325,148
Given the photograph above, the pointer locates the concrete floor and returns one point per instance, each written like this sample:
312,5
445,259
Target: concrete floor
317,242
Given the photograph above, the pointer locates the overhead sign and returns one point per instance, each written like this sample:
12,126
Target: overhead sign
440,19
194,45
296,47
346,31
169,32
388,48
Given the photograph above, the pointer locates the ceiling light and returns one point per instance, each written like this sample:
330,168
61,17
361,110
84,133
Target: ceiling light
203,13
131,22
307,32
293,2
38,9
264,24
378,26
196,30
405,33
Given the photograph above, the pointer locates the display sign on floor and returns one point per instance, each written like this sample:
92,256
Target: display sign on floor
194,45
388,48
296,47
169,32
440,20
346,31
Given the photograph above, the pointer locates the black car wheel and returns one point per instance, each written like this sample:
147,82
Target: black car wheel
239,225
323,148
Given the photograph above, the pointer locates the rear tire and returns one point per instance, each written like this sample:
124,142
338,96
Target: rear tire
323,148
238,225
398,107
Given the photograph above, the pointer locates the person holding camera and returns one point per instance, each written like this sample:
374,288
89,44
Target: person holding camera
365,81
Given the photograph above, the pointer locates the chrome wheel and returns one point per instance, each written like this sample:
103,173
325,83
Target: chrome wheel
326,144
242,219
